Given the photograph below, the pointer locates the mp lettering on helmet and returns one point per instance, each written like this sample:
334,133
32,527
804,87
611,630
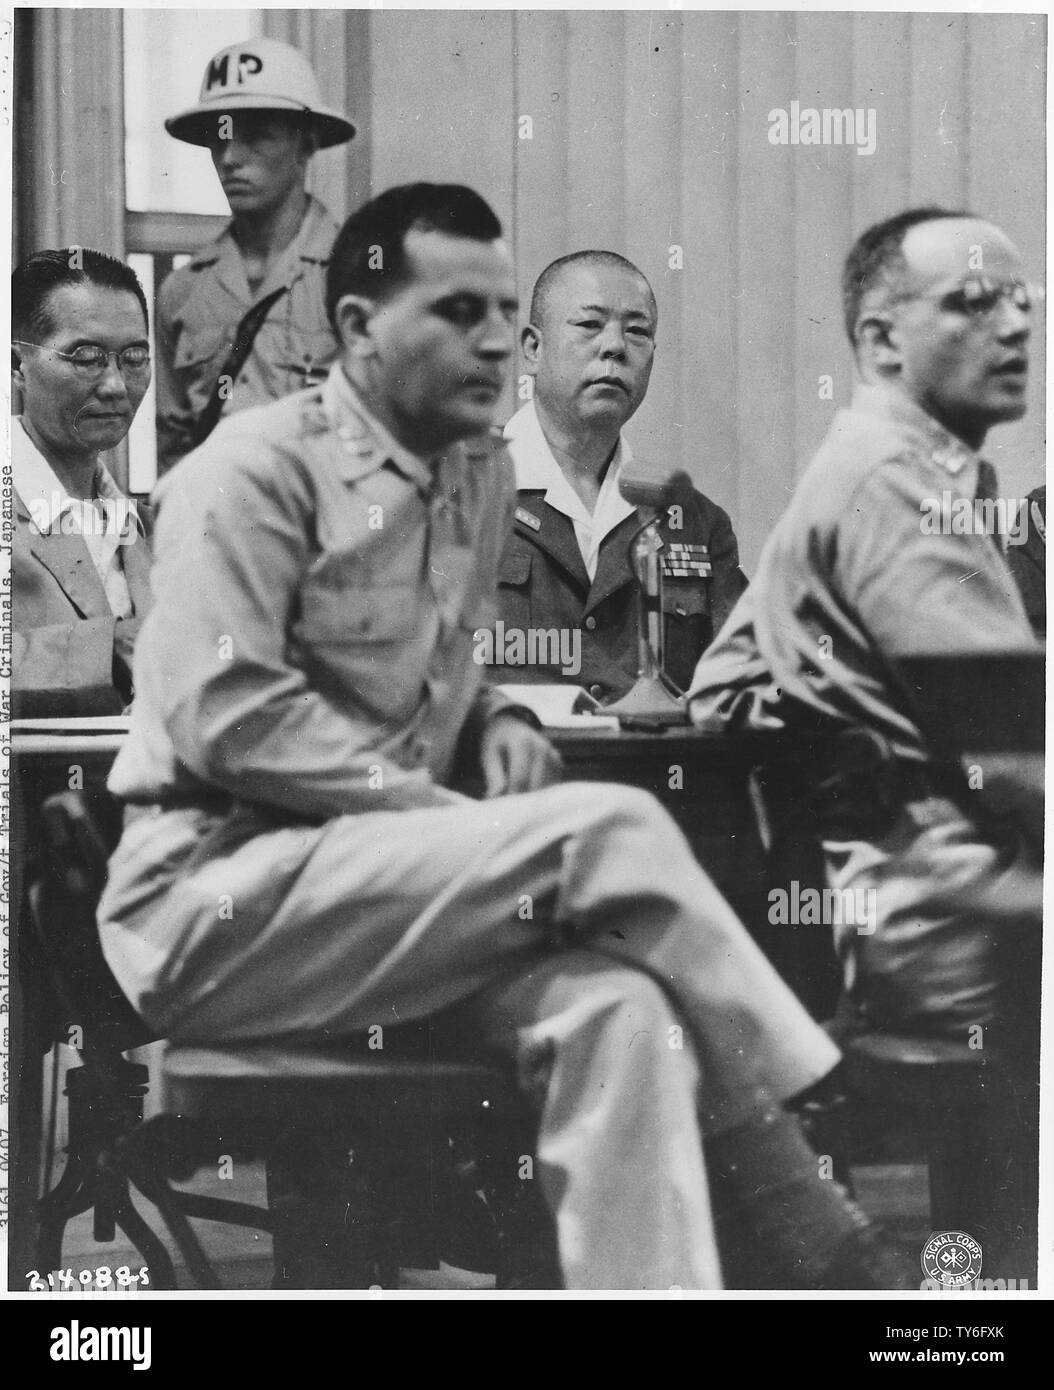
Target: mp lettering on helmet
249,65
259,75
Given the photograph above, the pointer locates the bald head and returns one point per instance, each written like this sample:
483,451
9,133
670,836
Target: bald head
554,278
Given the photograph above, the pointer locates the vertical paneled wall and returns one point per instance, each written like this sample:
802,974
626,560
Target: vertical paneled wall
650,131
68,145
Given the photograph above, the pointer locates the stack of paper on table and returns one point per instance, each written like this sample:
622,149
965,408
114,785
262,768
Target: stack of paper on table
554,705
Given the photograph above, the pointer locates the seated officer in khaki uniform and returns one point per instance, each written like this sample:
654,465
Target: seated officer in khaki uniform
261,115
305,684
851,580
589,347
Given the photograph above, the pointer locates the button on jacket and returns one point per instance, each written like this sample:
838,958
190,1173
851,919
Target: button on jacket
544,583
199,309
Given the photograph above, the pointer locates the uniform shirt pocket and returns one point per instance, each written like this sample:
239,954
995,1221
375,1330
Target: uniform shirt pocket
685,598
515,568
197,346
365,648
372,614
514,589
305,354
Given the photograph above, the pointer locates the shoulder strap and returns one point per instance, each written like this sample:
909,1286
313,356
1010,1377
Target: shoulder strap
244,337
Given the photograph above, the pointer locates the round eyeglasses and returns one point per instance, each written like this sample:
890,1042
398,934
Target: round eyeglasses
90,361
979,296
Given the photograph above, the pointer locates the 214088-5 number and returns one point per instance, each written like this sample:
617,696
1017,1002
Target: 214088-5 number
62,1280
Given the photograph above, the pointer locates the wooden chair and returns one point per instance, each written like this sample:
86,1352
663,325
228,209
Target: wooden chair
351,1134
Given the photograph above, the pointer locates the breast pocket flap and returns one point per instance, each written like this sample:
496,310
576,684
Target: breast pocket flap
193,349
685,598
515,568
382,614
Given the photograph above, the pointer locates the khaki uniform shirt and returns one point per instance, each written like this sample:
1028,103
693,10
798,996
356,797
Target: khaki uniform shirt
199,309
857,571
317,590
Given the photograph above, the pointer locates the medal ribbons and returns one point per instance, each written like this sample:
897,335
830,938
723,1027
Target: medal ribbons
683,561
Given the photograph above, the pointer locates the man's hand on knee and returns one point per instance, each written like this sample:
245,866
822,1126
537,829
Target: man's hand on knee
516,758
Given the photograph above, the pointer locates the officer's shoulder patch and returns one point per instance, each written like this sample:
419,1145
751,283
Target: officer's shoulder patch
528,518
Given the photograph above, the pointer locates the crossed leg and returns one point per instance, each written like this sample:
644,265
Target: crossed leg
575,923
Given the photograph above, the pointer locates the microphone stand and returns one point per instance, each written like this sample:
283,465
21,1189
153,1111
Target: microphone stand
650,698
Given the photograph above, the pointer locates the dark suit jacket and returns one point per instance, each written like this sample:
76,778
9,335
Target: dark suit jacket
62,656
543,583
1028,562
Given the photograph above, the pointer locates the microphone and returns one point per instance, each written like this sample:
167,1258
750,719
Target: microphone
656,490
650,701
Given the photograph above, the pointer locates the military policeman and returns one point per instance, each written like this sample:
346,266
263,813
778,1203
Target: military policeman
589,347
244,322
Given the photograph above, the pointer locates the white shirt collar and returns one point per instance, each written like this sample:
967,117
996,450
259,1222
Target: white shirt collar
104,524
45,498
537,468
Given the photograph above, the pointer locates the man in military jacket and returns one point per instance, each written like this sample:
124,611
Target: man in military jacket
856,577
589,348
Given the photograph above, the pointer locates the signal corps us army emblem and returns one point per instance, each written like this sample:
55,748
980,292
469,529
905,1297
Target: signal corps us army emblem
683,561
951,1258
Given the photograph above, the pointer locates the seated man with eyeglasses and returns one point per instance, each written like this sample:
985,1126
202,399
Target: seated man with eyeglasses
80,562
856,579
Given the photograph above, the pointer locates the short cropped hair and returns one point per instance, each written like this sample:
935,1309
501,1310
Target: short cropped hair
369,254
35,280
877,257
550,277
